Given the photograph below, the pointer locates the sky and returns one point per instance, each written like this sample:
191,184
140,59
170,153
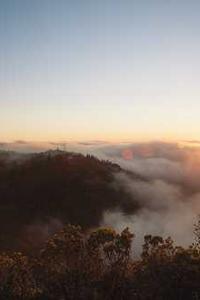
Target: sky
117,70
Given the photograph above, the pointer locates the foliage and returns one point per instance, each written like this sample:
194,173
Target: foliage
197,233
80,263
75,264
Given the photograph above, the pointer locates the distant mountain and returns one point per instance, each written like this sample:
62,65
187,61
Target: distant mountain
41,192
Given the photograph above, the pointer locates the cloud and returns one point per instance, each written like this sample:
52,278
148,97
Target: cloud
164,178
168,191
22,142
3,144
193,142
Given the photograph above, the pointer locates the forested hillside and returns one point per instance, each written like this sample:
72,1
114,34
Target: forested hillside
40,193
42,257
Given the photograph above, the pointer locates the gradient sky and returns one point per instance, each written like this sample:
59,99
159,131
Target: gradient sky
99,69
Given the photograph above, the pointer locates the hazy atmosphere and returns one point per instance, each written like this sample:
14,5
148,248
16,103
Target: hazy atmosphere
166,186
99,150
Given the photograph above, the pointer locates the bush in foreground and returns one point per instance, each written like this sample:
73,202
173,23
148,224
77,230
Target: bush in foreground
75,265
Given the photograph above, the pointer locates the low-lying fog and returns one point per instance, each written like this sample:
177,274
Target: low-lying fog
168,191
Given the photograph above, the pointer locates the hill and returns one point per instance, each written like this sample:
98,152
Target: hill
39,193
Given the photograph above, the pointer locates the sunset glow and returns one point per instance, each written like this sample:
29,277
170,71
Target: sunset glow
100,149
111,70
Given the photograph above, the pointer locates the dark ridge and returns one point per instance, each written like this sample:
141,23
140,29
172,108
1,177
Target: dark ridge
40,191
